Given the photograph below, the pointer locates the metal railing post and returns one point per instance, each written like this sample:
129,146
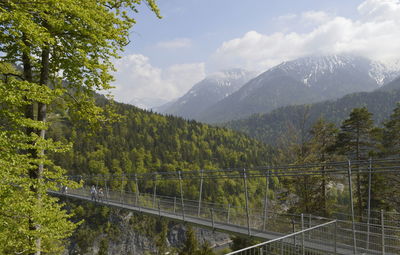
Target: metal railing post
265,216
212,217
352,209
229,212
369,200
201,190
182,204
122,189
302,235
335,238
174,204
247,201
309,225
137,198
154,190
293,231
383,232
159,208
106,190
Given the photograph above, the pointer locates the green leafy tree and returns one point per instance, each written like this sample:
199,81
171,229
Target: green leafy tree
241,242
191,245
206,249
63,51
355,141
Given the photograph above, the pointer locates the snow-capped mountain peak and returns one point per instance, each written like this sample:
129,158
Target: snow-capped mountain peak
213,88
304,80
310,69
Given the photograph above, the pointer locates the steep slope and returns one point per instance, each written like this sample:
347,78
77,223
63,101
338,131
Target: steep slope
271,127
144,142
207,92
305,80
394,85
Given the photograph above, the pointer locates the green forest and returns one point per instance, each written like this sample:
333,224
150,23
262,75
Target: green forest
56,56
145,142
269,127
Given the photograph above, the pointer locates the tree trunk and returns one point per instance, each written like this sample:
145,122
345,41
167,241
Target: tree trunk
29,114
42,116
36,174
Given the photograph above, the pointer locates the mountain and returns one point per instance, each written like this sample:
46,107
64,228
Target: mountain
289,120
304,80
147,103
394,85
207,92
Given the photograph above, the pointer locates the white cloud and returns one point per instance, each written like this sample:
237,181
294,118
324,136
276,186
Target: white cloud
287,17
318,17
136,78
379,10
376,34
177,43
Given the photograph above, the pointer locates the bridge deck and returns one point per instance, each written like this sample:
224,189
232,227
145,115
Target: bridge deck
326,248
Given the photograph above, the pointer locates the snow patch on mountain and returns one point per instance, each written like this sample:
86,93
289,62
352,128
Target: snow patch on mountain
310,69
213,88
384,73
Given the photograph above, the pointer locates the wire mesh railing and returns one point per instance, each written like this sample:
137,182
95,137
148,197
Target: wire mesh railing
377,236
298,243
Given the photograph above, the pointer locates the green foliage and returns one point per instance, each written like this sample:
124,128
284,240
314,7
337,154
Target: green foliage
146,142
103,249
271,127
205,249
62,50
191,245
391,134
241,242
354,138
390,148
355,141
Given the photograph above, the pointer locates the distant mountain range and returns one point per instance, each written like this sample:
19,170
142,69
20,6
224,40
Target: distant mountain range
304,80
206,93
147,103
271,127
233,95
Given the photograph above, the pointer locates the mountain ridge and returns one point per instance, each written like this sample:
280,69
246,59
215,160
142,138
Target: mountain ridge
270,127
207,92
304,80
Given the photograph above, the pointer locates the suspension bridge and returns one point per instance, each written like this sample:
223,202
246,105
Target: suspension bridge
376,232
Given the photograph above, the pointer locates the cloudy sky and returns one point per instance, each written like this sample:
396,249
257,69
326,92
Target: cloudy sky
197,37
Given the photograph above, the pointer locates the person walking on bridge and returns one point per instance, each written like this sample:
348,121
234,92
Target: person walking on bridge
100,195
93,192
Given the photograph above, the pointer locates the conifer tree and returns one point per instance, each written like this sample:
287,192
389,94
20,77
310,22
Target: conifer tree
391,148
355,141
391,134
323,137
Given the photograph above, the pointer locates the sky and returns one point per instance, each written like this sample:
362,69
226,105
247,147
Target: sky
195,38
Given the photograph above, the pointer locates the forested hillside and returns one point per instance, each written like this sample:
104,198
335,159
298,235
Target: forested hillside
296,120
147,142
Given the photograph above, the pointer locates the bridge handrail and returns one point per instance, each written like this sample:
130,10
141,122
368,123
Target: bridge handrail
282,238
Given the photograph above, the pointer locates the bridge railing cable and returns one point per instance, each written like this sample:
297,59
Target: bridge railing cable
236,216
